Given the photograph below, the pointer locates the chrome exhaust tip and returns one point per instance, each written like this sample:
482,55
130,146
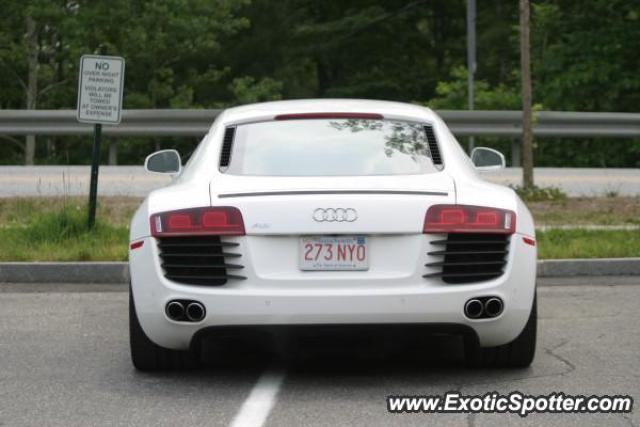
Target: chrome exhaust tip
493,307
195,312
175,310
473,308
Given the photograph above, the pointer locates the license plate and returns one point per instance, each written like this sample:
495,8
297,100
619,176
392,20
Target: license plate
334,253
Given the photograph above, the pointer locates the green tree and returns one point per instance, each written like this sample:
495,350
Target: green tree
452,94
218,53
585,55
32,56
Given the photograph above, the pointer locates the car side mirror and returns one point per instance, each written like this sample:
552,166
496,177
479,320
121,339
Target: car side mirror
164,161
486,159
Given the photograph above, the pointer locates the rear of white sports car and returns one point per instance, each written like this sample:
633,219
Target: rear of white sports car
319,213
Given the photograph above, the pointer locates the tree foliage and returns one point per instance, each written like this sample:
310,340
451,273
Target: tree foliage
219,53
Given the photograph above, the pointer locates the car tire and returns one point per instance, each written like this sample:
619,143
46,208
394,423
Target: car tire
148,356
516,354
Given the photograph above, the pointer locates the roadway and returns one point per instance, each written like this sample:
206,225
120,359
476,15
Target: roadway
134,181
64,361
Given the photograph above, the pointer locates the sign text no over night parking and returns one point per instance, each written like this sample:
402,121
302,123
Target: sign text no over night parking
100,88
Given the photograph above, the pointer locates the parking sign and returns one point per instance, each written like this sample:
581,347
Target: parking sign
100,88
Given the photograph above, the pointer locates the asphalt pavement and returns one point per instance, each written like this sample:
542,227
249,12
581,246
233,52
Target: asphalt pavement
134,181
64,361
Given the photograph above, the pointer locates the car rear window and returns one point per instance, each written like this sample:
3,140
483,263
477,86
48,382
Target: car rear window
330,147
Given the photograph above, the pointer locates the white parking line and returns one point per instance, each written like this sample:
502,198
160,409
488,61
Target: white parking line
256,408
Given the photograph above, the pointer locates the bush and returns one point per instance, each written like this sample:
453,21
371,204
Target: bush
540,194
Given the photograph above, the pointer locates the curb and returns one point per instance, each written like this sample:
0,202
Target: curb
64,272
589,267
118,272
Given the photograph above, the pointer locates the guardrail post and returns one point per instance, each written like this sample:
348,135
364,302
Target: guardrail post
113,152
515,153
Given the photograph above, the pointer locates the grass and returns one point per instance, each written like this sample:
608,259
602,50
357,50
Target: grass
554,244
117,211
59,235
54,229
540,194
587,211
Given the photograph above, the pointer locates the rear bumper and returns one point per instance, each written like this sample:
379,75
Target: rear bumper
329,337
409,300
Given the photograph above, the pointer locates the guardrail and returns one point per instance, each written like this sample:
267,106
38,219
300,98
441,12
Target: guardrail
197,122
134,123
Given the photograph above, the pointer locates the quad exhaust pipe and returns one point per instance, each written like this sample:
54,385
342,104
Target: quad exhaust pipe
195,311
175,310
493,307
473,308
483,307
185,311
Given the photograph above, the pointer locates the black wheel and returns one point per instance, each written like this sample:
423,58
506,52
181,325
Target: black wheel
516,354
148,356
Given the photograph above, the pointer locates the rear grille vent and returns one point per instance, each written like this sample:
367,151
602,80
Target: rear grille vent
433,146
227,145
199,260
469,258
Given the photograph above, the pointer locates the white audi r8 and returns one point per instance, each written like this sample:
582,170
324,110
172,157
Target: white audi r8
335,213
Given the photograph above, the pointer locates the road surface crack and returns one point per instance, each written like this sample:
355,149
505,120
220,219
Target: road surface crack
552,352
570,367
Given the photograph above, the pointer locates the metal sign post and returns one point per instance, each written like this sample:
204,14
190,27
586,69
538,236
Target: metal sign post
100,89
95,165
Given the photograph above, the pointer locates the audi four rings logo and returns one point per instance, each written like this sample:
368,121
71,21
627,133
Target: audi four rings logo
335,215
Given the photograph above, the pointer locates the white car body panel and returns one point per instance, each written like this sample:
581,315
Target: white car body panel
391,212
384,197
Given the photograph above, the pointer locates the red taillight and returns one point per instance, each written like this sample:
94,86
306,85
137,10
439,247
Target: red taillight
301,116
222,220
468,219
